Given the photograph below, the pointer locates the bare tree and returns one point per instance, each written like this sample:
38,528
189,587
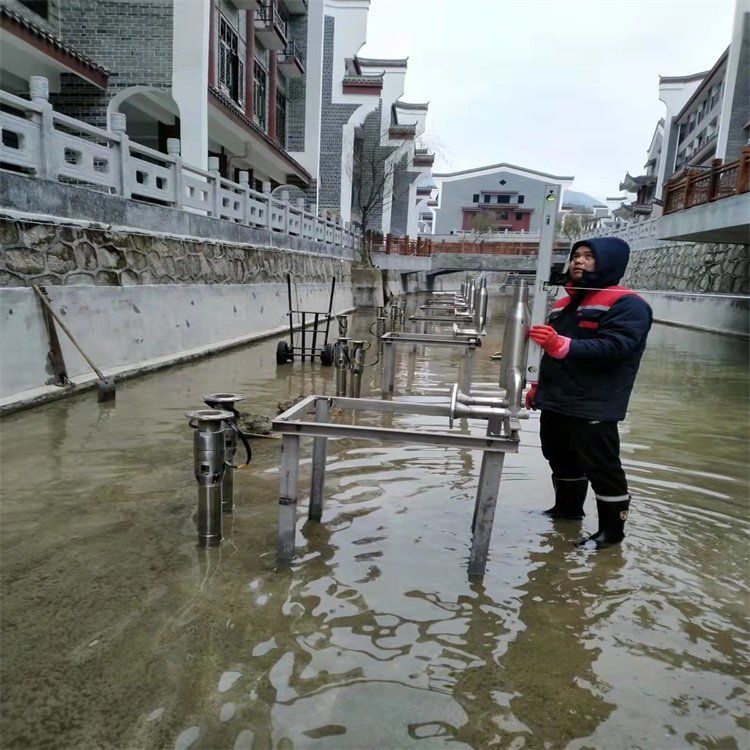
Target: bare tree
375,168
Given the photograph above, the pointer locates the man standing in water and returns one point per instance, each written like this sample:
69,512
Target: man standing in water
592,345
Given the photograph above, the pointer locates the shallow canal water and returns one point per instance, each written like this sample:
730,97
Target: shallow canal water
118,633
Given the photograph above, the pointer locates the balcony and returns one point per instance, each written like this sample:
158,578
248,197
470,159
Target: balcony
709,205
290,61
246,4
270,27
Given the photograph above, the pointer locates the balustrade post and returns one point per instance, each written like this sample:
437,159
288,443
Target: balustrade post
689,186
713,180
117,124
39,90
213,168
244,178
388,240
743,171
285,199
267,196
173,149
301,207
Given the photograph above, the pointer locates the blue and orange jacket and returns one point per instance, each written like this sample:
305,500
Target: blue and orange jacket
608,326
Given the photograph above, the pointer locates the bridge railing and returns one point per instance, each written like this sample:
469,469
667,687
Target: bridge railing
46,144
425,247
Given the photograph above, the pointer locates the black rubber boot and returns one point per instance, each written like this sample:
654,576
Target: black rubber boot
612,517
570,495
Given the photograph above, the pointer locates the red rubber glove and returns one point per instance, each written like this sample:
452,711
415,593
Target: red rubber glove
530,401
550,340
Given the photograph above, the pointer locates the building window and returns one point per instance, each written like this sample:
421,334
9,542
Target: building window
487,198
504,216
521,199
503,199
475,198
519,217
281,118
260,79
231,67
40,7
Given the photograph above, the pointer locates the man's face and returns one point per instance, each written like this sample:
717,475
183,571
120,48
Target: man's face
582,260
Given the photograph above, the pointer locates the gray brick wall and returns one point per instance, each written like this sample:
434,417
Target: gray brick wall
402,181
295,89
130,38
333,119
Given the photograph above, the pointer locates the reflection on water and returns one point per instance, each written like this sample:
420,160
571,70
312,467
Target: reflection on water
117,632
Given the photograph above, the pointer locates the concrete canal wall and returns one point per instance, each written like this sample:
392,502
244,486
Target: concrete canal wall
710,275
137,298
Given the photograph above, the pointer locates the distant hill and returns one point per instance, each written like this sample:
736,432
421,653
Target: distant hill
574,199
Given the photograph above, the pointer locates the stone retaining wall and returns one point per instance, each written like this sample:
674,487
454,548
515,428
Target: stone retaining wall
59,254
690,267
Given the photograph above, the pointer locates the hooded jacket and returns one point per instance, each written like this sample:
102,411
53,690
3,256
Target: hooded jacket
608,326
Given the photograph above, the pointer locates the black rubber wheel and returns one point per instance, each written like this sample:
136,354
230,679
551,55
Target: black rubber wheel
283,353
327,355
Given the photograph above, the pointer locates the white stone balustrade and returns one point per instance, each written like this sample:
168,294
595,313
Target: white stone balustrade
53,146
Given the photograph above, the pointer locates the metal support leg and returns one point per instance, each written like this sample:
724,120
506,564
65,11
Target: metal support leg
389,366
489,486
320,447
467,369
288,496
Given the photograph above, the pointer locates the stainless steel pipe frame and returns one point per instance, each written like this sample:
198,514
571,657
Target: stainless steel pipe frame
342,364
227,401
357,366
515,345
209,465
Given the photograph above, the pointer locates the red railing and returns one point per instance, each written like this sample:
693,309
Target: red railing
697,187
425,247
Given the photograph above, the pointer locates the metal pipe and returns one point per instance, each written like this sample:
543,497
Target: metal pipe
343,322
356,364
458,410
227,401
208,463
342,364
515,344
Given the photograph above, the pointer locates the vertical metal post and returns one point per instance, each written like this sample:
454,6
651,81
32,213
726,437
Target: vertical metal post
389,366
315,335
288,496
357,365
490,474
291,310
302,334
467,368
541,281
320,446
342,357
330,308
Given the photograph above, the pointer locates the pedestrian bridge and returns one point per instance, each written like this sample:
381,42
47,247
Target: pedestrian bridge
439,263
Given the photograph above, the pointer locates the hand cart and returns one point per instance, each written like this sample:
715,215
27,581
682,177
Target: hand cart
300,319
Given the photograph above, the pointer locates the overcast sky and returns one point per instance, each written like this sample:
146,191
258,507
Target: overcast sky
568,87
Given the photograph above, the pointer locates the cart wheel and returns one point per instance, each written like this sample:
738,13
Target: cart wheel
327,355
283,353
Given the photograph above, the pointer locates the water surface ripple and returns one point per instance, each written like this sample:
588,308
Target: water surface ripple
118,633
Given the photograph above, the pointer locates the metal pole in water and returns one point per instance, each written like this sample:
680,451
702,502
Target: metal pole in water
288,493
208,455
357,365
227,401
342,363
389,366
320,444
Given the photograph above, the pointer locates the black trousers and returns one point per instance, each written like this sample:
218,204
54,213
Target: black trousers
576,448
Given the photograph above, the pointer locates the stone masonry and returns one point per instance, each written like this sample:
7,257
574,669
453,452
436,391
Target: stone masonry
58,254
690,267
